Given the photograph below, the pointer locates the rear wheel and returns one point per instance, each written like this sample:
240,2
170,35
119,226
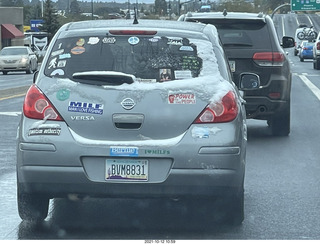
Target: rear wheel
5,72
301,59
280,124
316,64
32,207
29,70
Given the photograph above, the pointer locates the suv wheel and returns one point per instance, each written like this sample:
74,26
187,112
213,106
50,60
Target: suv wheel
316,64
32,207
29,70
280,124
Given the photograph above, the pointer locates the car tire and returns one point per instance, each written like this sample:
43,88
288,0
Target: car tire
301,59
29,70
32,207
295,52
316,64
5,72
280,124
235,210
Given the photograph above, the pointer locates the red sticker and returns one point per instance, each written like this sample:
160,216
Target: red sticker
183,98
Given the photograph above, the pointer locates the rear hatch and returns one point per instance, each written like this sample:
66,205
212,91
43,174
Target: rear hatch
249,47
129,87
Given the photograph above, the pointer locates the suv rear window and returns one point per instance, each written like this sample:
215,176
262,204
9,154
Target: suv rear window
253,34
154,59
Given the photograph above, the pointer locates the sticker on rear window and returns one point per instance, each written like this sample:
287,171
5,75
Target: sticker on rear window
81,42
53,63
182,98
134,40
64,56
93,40
78,50
109,40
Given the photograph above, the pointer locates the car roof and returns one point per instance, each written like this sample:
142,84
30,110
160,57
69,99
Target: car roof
12,47
142,23
226,15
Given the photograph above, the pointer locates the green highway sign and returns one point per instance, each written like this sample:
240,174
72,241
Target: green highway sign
305,5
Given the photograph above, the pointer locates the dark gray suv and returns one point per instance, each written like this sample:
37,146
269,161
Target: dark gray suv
252,45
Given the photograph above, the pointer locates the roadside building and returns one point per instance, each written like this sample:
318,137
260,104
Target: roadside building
11,26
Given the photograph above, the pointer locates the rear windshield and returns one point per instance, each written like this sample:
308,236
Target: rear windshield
253,34
154,59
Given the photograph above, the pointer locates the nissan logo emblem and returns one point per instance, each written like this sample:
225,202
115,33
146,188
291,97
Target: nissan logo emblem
128,103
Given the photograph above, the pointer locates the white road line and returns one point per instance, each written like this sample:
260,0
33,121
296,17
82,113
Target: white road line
315,90
10,113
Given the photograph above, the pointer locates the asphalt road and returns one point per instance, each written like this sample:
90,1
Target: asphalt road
282,185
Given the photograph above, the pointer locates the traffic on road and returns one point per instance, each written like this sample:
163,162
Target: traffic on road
281,184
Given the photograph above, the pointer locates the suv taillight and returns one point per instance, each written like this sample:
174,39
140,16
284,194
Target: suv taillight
318,45
37,106
269,58
224,111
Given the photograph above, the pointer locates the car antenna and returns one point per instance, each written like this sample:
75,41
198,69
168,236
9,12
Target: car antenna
224,13
135,21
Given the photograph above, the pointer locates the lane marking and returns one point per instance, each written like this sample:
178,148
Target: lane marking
10,113
13,96
315,90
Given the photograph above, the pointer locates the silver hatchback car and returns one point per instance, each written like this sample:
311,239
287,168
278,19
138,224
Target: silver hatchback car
133,110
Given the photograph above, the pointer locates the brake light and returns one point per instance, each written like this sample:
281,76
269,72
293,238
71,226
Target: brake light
37,106
224,111
318,45
269,58
132,32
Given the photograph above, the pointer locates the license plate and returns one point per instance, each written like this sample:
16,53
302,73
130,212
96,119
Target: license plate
126,170
232,65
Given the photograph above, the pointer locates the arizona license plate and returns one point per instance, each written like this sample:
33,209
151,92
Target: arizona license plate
126,170
232,65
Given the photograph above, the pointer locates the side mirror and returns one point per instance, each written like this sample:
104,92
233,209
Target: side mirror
249,81
287,42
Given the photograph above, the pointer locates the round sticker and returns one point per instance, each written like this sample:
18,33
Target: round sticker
133,40
63,94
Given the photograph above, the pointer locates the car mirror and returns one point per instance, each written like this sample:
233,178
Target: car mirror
287,42
249,81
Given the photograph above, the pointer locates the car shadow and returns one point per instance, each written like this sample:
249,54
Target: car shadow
156,219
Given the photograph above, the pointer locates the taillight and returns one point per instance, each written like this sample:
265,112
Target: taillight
224,111
269,58
318,45
37,106
132,32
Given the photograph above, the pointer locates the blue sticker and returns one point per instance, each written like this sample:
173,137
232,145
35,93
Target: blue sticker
65,55
186,48
63,94
133,40
83,107
124,151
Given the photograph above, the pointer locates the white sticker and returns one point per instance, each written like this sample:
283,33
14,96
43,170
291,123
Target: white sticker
58,52
57,72
93,40
134,40
182,74
182,98
109,40
186,48
62,63
53,63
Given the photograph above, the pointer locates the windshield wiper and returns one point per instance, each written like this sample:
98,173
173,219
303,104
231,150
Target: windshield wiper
103,78
238,44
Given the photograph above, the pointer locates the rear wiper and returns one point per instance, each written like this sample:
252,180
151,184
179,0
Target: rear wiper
238,44
103,78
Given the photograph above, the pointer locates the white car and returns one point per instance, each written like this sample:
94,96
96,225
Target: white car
18,58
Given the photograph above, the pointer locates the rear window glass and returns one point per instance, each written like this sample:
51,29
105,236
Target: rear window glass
253,34
152,59
14,51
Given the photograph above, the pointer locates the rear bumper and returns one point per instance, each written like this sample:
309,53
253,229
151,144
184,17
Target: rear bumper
61,181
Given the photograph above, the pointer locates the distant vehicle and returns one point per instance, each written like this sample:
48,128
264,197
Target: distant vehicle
37,41
244,38
18,58
306,50
303,33
134,110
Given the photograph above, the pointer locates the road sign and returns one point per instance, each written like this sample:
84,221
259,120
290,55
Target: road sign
305,5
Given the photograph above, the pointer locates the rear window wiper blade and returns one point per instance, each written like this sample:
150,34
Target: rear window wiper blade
103,78
238,44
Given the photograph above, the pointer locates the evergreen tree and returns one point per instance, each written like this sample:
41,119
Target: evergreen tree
74,7
51,24
160,7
